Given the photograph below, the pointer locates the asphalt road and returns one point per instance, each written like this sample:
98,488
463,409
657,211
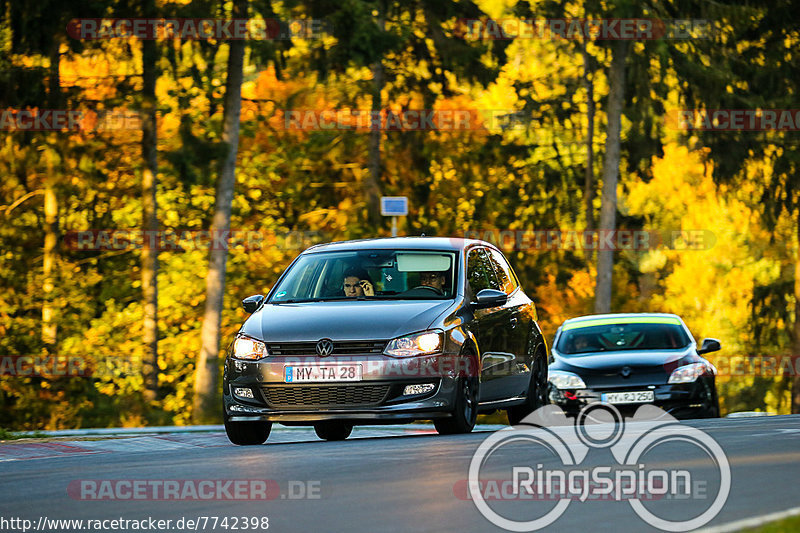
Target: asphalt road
381,479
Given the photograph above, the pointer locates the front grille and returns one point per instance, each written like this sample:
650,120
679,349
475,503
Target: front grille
302,396
339,348
611,379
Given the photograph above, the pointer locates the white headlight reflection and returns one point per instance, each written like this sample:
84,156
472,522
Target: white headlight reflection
689,373
565,380
246,348
427,342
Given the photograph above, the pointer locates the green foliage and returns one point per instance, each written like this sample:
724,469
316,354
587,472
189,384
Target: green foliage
787,525
8,435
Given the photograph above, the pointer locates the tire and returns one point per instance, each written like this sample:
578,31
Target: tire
465,413
537,393
247,433
333,430
711,409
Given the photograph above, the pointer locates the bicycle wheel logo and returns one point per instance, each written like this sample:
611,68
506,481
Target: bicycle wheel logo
599,426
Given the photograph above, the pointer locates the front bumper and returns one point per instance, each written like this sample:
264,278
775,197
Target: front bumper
377,398
680,399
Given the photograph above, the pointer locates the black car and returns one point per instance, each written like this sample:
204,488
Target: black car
632,359
386,331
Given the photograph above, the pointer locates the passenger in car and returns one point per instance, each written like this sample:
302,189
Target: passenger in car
357,283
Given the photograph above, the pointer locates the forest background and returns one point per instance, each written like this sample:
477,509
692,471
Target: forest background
566,133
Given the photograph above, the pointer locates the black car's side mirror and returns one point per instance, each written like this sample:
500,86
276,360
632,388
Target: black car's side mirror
252,303
709,345
489,298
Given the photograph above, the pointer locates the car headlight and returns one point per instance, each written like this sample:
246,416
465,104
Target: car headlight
427,342
245,348
690,373
565,380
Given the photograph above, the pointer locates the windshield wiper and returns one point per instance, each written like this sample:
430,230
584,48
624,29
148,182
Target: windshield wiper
335,298
328,299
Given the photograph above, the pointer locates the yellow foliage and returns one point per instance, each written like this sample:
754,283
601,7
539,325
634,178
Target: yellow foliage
711,285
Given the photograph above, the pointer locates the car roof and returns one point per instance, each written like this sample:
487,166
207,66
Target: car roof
400,243
627,316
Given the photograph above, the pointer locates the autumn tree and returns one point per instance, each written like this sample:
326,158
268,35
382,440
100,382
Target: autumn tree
748,61
414,51
207,372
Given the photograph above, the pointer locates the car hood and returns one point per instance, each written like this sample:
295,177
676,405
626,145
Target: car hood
342,320
609,361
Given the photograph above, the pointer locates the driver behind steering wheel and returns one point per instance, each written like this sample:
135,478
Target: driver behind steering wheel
434,279
357,283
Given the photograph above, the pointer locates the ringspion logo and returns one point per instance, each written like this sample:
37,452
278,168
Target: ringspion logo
631,479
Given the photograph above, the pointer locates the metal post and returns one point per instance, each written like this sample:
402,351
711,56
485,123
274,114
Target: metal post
394,226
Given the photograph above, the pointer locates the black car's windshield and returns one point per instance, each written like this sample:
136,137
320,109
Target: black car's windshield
368,275
617,337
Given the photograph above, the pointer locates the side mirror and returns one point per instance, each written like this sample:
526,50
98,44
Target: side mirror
490,298
709,345
252,303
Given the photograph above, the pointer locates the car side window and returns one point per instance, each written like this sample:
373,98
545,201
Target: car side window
480,274
505,275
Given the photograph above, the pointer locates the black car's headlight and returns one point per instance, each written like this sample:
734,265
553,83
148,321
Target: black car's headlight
424,343
690,373
565,380
250,349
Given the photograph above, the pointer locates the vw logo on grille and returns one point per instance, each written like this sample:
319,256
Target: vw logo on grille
625,372
324,347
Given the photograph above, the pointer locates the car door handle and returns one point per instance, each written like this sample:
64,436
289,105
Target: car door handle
513,322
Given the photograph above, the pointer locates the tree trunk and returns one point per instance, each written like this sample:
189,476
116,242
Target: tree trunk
372,189
49,327
588,180
149,215
608,209
205,406
796,378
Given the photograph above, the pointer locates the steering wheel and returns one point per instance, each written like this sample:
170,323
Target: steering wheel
434,289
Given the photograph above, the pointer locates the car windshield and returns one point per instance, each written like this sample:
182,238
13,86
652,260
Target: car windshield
369,275
621,337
